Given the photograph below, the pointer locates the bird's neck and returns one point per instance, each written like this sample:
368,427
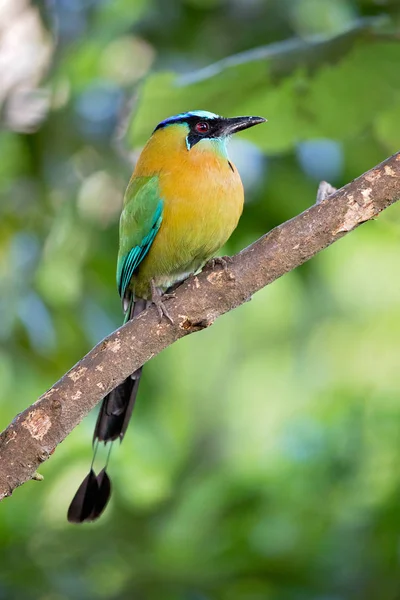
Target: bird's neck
216,146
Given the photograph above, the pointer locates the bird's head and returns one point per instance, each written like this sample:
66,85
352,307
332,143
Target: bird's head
203,127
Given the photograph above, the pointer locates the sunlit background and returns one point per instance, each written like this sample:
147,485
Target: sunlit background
263,457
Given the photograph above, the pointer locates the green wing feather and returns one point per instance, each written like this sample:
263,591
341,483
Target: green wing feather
140,221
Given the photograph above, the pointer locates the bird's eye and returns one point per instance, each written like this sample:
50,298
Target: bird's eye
202,127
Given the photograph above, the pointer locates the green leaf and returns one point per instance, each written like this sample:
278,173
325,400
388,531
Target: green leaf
281,83
387,127
344,99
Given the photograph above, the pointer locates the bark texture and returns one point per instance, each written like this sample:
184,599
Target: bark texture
35,433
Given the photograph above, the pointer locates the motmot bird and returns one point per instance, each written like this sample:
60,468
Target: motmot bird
183,202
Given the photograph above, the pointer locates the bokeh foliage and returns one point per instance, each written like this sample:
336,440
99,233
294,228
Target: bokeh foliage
262,459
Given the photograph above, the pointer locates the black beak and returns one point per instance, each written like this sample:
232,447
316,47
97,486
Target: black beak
230,126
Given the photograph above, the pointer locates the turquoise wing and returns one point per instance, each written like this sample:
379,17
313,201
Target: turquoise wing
140,221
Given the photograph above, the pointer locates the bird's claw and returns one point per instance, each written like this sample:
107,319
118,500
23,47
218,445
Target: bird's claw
162,311
223,261
168,296
158,300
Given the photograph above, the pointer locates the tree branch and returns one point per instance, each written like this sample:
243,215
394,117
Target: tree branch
35,433
289,53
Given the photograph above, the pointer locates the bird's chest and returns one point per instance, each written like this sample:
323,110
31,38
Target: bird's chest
202,206
202,199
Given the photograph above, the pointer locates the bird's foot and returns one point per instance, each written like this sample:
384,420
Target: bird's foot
223,261
162,309
158,300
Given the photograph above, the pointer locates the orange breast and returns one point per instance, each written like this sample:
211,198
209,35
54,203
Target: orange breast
203,200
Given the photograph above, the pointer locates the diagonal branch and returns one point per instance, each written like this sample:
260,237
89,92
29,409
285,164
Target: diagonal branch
285,55
35,433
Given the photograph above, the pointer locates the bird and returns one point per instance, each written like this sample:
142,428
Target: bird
182,203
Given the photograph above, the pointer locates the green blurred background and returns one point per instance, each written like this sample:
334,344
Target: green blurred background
262,462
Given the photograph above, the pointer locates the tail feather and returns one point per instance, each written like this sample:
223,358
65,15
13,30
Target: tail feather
102,496
115,412
84,500
91,498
